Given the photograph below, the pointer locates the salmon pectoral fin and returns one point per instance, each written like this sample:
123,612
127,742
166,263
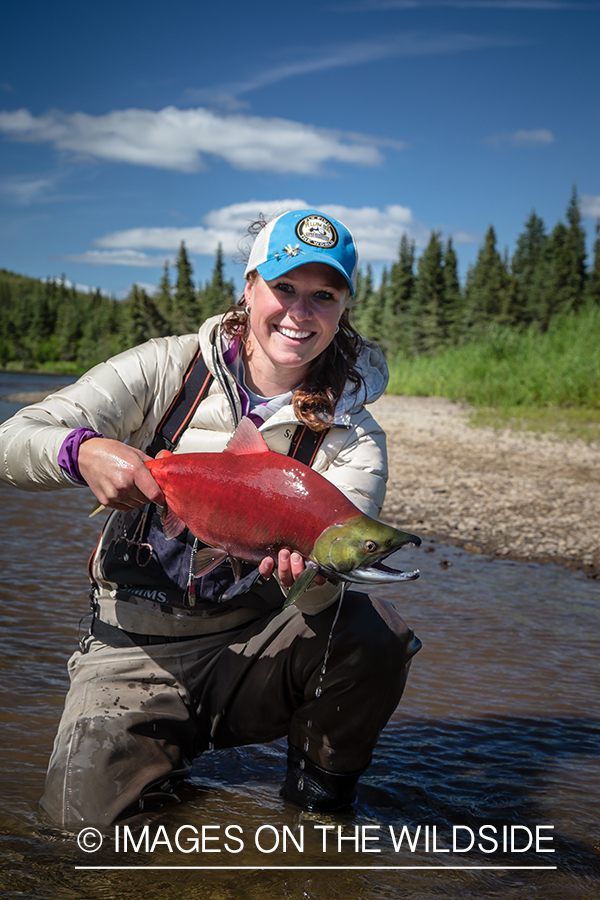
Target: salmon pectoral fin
236,565
208,559
171,523
301,584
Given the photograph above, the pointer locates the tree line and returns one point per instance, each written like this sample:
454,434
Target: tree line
419,307
46,324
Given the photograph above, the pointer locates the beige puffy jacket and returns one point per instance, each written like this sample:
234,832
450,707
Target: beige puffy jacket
126,397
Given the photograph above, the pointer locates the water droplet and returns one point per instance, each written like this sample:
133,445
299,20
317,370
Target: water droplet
301,783
302,763
309,723
306,745
318,691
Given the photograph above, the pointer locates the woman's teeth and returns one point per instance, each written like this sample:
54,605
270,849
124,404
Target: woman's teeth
296,335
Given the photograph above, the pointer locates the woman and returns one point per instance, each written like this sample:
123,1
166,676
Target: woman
174,664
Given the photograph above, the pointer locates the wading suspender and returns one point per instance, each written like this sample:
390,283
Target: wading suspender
196,384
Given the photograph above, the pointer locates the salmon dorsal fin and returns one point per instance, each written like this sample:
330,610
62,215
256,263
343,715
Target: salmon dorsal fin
246,439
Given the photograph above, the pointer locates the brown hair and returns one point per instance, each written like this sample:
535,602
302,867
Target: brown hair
315,400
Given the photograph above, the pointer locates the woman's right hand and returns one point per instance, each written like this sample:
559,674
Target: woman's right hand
116,474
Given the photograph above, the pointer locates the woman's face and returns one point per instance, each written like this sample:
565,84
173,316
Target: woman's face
293,319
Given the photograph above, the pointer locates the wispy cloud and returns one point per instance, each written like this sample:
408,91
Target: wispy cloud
124,257
24,191
381,5
307,60
534,138
590,206
181,139
377,232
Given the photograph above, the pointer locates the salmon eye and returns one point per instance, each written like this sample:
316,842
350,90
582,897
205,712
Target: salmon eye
370,546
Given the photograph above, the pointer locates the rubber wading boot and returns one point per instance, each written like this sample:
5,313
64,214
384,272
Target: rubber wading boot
311,787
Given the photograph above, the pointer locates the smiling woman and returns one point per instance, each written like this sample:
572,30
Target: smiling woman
228,661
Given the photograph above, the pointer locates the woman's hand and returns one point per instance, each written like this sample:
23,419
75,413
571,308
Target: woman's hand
116,474
289,567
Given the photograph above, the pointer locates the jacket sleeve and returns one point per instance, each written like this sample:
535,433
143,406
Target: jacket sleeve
356,463
123,398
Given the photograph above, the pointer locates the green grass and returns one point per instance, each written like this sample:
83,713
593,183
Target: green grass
520,379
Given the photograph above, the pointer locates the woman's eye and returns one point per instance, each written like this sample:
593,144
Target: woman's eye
285,287
324,295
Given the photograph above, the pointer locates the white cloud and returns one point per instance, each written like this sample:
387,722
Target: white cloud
534,138
466,237
180,139
590,206
24,191
124,257
377,232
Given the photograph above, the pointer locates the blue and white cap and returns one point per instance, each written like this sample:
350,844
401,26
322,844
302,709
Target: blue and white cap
304,236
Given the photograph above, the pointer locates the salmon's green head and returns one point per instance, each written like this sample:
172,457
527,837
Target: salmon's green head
356,550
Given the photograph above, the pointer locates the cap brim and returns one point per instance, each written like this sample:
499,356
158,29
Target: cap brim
274,268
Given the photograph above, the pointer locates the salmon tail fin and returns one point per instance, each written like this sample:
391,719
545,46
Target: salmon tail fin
171,523
302,583
207,559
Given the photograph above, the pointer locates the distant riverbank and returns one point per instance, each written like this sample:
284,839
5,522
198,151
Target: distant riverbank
512,494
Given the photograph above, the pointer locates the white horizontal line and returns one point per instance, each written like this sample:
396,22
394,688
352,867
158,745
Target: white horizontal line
340,868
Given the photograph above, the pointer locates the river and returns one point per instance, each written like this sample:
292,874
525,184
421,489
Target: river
496,739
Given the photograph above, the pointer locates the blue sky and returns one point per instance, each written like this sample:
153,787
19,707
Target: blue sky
126,127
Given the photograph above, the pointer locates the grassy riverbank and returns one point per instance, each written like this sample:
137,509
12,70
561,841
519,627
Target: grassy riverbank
522,379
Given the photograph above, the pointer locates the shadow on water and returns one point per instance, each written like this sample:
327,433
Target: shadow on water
499,727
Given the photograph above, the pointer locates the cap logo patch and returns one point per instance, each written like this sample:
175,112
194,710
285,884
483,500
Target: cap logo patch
317,231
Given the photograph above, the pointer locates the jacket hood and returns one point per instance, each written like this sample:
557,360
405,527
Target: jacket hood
371,365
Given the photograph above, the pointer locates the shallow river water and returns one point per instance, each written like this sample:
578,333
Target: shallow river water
497,736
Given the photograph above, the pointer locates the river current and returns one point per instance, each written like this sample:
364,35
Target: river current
491,760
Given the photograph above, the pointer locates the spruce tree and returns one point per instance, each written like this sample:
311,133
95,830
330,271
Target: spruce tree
575,248
397,299
593,285
363,297
142,320
163,298
487,296
219,293
184,308
451,314
424,314
527,271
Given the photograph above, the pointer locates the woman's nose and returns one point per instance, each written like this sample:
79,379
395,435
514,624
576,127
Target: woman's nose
301,307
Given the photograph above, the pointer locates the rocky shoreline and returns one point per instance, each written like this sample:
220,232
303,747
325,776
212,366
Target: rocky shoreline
516,496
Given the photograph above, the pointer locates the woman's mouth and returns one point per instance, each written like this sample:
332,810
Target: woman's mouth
293,333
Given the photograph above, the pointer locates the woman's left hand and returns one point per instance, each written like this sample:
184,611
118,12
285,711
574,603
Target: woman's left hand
289,567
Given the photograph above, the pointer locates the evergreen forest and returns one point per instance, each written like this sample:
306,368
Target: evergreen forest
420,314
47,325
